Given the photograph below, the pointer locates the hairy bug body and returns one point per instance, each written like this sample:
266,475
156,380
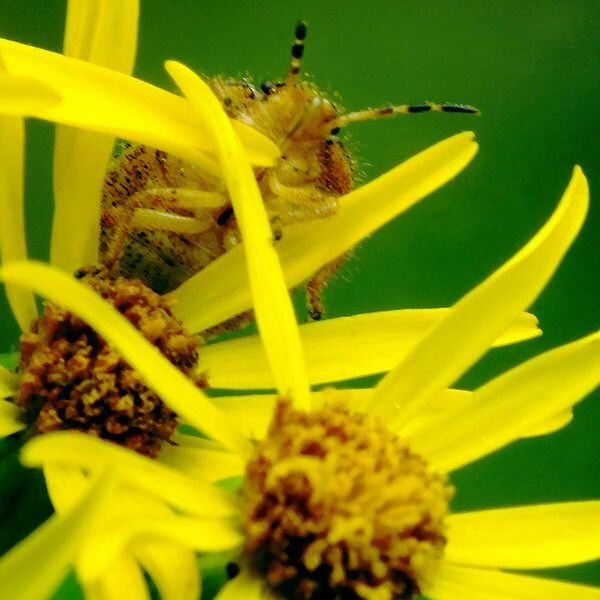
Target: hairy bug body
164,220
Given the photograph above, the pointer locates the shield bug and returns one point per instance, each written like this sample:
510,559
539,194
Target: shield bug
164,219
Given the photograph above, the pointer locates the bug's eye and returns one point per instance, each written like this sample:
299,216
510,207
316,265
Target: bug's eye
267,87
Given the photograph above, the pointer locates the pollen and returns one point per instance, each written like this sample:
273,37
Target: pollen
337,506
71,379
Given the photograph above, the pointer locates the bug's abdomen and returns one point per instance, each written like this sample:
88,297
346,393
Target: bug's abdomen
143,176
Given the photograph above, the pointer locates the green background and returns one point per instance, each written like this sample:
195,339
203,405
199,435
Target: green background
533,70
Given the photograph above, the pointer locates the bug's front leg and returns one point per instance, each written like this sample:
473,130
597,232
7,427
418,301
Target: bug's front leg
317,283
157,209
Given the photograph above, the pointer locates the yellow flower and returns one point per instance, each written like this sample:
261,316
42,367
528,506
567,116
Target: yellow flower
433,428
83,95
93,31
93,105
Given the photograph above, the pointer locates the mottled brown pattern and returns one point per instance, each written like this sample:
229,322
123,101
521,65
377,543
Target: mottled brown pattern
71,379
337,507
161,259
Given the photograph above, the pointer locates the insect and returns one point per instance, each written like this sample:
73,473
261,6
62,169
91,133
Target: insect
164,219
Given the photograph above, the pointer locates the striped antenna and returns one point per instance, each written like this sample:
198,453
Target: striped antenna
401,109
297,52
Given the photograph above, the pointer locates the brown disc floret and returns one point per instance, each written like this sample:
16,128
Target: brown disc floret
337,507
72,379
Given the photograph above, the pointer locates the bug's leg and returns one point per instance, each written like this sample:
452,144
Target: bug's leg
276,228
317,283
297,52
189,198
234,324
227,231
162,220
401,109
151,209
298,204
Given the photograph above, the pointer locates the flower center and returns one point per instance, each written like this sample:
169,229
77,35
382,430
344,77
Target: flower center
336,506
71,379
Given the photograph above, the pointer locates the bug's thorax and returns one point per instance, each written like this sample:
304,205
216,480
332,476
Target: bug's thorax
285,113
297,118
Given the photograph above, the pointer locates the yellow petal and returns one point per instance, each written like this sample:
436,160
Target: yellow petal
86,451
477,319
6,407
24,95
10,421
131,500
198,457
272,303
109,541
244,587
178,392
456,404
123,579
12,225
173,569
104,33
524,327
448,402
528,537
29,571
338,349
512,405
9,382
461,583
65,484
252,413
553,424
221,290
202,535
106,101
